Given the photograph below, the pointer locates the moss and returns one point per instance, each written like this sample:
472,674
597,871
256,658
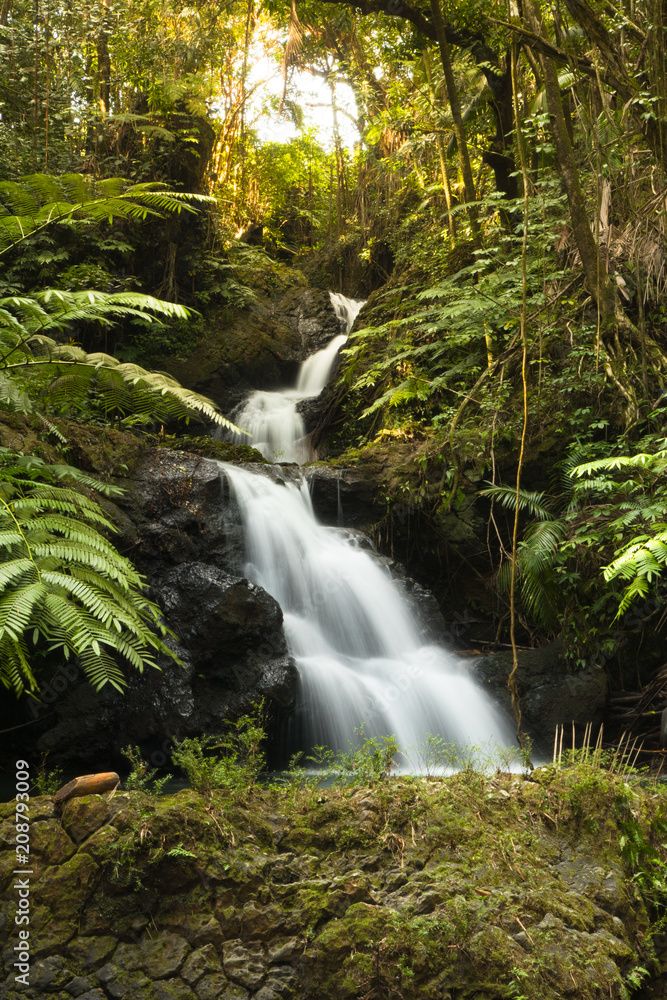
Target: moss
489,887
224,451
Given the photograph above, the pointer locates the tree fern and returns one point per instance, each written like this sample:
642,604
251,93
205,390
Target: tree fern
64,588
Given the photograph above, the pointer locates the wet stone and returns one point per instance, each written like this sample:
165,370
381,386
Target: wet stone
282,951
49,974
172,989
83,816
282,980
244,965
213,987
122,985
158,957
79,985
259,923
201,962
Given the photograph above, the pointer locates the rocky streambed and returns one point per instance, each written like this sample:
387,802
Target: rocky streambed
469,886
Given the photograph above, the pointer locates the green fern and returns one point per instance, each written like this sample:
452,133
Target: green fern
507,496
25,347
64,588
40,200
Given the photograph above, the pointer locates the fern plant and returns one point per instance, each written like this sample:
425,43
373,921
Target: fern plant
71,374
614,508
642,502
40,200
64,588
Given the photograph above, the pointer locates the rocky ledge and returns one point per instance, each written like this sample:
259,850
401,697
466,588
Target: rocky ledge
470,886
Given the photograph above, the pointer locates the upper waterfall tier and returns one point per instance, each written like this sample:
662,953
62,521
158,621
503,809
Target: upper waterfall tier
272,419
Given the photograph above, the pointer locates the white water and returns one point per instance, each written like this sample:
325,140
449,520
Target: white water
271,418
357,646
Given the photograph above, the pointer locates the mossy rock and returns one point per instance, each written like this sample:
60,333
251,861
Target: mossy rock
470,886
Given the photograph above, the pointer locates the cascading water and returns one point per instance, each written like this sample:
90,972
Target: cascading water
361,658
275,426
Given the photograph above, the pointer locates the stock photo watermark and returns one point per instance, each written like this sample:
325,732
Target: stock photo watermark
23,872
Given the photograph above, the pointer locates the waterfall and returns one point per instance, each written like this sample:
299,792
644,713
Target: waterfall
361,656
275,426
358,648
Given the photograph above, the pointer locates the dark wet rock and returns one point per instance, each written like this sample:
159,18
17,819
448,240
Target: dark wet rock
50,974
180,527
260,349
315,320
344,496
312,411
79,985
551,691
121,984
219,617
175,512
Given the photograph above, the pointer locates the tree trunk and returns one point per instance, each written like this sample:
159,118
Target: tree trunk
104,72
441,150
597,279
459,128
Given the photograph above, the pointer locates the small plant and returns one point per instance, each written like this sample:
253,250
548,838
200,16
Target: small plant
368,763
636,976
179,852
242,760
525,753
436,756
142,777
48,782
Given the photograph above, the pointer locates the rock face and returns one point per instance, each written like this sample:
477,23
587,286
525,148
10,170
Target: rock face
262,348
550,691
344,496
414,889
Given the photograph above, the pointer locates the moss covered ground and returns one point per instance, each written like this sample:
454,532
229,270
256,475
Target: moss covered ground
469,886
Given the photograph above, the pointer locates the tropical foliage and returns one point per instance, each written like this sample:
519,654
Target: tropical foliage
65,590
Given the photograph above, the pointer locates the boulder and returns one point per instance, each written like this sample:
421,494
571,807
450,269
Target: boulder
551,691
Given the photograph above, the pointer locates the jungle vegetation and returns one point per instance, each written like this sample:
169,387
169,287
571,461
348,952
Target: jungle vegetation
502,203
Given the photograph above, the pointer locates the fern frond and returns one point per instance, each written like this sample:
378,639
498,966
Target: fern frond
39,200
507,496
67,586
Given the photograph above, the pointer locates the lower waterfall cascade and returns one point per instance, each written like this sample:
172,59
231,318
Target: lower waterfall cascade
362,659
272,419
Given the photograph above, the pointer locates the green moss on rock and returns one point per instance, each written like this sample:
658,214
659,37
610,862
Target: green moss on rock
466,886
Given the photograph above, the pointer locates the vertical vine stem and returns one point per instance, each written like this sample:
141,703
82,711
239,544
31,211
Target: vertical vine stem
511,681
